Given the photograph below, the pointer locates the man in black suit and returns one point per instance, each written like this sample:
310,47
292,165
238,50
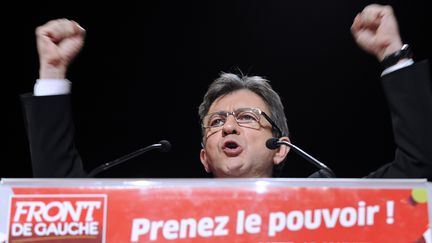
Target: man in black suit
238,114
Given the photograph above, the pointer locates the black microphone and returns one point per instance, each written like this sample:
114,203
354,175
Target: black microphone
163,146
274,143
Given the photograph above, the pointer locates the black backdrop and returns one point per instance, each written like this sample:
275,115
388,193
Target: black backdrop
145,66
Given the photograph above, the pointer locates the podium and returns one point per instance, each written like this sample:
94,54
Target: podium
215,210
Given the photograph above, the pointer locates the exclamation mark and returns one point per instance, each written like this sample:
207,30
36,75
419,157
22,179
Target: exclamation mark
390,212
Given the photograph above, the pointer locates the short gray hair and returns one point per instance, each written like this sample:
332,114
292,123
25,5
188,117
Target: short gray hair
227,83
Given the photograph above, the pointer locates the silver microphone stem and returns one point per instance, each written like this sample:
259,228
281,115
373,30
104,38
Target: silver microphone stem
308,157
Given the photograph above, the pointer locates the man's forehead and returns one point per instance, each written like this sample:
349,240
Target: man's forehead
238,99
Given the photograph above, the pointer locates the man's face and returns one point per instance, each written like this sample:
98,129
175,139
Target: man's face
234,150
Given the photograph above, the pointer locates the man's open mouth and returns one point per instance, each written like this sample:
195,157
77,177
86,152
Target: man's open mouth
231,148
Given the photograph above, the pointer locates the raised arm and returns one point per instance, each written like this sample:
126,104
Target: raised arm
407,87
47,112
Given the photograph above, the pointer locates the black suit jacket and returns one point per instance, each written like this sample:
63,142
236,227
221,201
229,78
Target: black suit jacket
408,91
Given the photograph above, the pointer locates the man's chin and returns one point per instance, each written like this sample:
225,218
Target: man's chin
235,168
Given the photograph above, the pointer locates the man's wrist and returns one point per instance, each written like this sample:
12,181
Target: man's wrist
47,71
404,53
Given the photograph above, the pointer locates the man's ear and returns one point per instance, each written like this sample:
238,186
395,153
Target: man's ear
281,152
204,160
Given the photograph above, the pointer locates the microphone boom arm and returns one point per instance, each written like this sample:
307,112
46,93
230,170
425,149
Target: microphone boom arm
162,146
308,157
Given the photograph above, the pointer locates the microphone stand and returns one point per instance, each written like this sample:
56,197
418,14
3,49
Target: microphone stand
163,145
324,169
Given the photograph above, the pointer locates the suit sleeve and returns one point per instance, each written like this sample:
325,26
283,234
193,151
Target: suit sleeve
50,130
409,96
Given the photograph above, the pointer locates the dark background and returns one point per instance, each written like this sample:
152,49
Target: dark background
146,65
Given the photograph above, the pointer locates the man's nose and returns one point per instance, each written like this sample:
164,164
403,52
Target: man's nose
231,126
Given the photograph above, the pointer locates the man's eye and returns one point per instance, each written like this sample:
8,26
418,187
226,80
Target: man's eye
216,122
247,117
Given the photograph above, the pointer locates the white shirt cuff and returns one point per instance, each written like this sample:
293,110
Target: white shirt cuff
397,66
44,87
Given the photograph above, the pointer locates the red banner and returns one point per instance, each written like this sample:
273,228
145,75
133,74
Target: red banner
259,213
